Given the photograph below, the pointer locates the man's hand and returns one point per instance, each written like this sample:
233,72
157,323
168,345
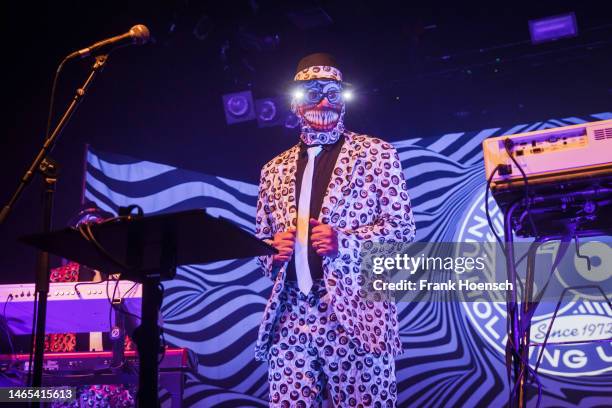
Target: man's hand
323,238
284,242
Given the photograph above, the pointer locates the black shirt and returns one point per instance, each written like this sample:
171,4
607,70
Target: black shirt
324,165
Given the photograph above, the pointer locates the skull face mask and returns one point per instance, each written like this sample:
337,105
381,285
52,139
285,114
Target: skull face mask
320,108
319,102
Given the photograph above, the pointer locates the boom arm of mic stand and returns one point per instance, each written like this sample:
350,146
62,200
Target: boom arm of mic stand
42,273
50,141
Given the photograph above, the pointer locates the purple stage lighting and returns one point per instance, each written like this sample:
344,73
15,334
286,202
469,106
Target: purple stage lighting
267,111
238,107
271,111
553,28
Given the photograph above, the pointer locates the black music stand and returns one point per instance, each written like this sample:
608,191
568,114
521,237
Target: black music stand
148,250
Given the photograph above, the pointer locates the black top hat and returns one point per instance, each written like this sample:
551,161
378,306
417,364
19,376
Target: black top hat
318,58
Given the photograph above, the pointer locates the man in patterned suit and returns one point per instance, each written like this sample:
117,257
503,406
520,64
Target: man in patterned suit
319,203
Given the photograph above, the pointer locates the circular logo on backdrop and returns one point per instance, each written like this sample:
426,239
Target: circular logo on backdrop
582,317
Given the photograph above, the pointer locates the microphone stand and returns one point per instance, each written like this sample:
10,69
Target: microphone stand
49,169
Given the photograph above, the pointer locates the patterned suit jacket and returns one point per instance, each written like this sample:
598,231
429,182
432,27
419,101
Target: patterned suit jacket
366,201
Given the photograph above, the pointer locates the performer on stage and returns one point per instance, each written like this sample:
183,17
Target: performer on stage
318,203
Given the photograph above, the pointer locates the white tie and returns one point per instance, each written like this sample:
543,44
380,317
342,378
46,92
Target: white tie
302,269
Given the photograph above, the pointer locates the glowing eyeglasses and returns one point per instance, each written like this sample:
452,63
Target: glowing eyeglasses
316,95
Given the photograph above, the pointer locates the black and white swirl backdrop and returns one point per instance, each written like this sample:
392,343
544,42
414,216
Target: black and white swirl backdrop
449,360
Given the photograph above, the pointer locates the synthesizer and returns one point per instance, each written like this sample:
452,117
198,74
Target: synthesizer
88,368
550,155
174,359
72,306
565,172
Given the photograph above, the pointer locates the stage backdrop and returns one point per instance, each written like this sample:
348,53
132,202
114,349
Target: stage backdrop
454,351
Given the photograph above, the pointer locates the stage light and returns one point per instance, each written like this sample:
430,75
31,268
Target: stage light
271,111
347,95
553,28
238,107
266,111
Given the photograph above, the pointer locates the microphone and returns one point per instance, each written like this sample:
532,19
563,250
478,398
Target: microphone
138,35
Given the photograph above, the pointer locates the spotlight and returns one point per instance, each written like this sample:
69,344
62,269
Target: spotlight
270,111
238,107
553,28
266,111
